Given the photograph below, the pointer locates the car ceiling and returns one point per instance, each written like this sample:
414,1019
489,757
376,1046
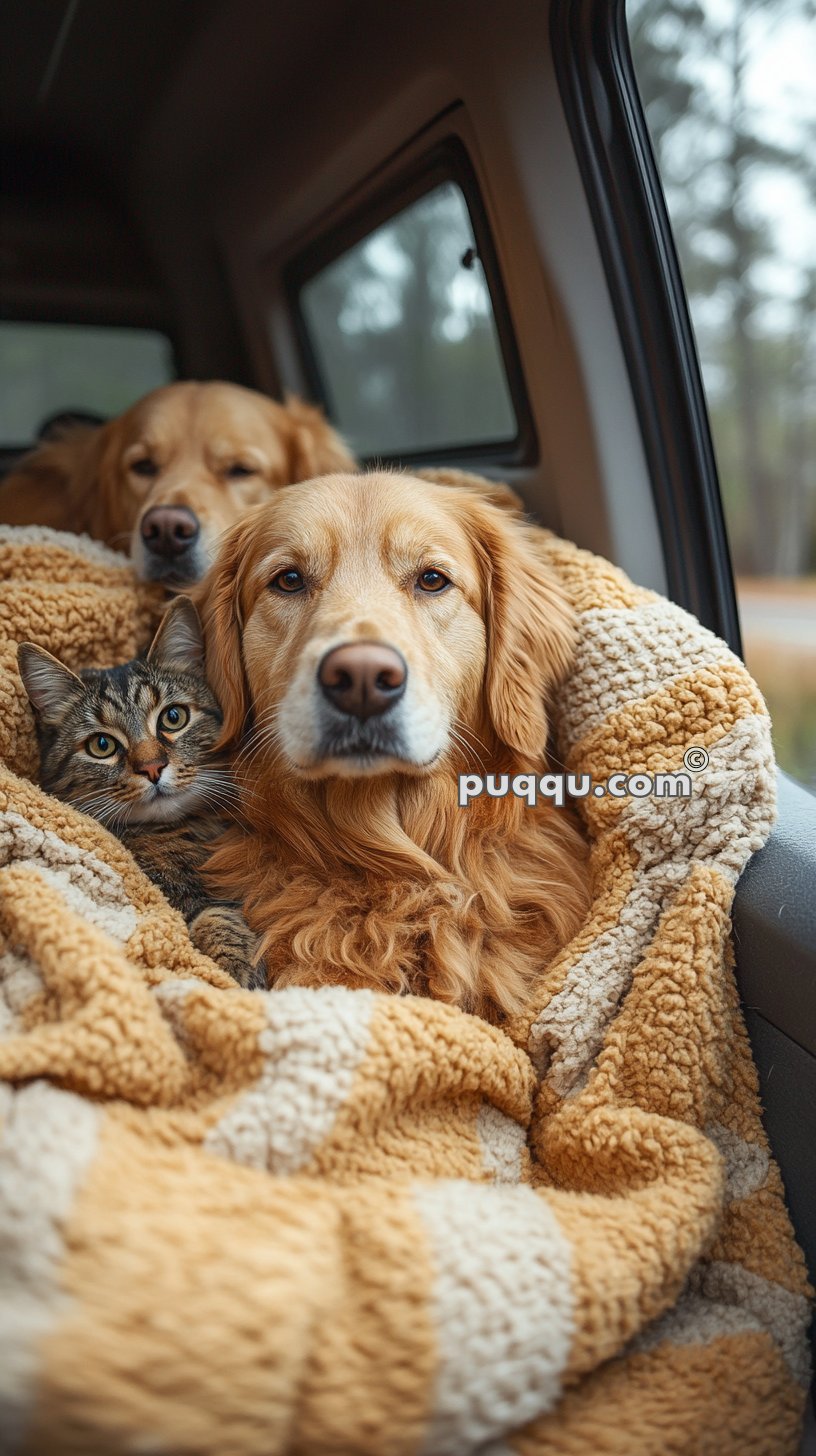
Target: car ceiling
110,112
79,78
83,82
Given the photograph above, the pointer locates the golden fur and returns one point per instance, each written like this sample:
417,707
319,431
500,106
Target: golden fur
195,433
370,874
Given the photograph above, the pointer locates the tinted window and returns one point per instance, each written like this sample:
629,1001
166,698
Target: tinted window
730,100
46,369
404,336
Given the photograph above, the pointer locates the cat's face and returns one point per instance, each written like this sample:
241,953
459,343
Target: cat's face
131,744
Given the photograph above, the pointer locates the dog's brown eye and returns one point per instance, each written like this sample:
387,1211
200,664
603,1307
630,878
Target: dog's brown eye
171,719
146,467
239,471
432,581
288,581
101,745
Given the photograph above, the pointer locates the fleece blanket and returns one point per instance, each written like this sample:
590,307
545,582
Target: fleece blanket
334,1221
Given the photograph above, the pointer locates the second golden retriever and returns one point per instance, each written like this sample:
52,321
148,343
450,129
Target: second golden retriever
172,473
370,637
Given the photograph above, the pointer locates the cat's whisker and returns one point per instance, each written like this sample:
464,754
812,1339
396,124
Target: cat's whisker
231,808
227,792
232,801
217,775
93,804
227,784
204,778
218,806
108,817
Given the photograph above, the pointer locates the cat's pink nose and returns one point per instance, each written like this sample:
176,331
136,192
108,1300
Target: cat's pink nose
152,771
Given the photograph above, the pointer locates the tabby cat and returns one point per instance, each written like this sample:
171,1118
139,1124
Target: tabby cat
133,746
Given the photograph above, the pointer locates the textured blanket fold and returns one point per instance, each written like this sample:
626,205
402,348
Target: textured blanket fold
335,1221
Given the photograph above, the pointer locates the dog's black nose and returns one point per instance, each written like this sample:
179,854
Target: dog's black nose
169,531
363,678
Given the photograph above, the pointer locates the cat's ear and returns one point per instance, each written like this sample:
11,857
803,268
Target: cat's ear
50,684
179,641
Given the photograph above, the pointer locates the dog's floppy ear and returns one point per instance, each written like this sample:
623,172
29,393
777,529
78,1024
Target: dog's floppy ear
531,628
53,485
315,448
219,601
494,491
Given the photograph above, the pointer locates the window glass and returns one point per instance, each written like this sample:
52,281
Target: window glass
404,337
46,369
729,95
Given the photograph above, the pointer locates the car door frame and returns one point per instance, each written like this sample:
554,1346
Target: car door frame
774,916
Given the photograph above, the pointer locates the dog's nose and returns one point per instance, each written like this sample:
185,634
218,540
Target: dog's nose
169,530
363,678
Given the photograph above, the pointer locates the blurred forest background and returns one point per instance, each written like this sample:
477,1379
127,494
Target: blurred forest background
404,335
729,90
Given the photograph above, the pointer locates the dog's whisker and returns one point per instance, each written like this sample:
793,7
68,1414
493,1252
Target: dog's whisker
468,749
263,723
464,735
259,743
469,733
271,734
464,743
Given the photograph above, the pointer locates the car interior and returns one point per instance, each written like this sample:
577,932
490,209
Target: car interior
192,191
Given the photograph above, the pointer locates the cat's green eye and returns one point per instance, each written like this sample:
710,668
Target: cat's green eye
171,719
101,745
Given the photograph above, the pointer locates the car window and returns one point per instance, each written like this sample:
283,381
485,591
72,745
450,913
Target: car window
49,369
404,336
731,107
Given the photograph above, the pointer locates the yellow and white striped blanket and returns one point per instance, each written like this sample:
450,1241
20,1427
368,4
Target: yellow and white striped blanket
238,1224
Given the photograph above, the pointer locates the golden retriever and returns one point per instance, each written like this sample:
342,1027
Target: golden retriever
369,638
172,473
